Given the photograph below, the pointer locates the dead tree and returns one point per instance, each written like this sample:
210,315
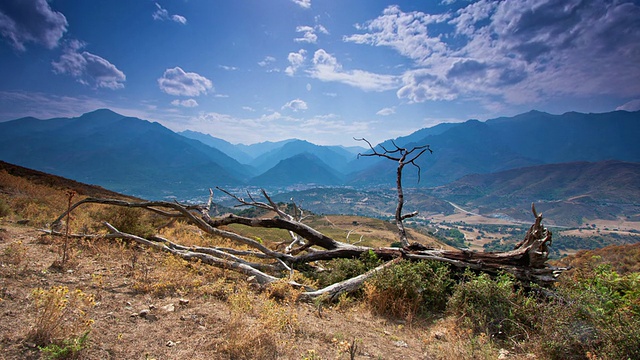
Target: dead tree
527,262
403,156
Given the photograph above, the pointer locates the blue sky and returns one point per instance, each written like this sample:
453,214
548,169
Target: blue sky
324,71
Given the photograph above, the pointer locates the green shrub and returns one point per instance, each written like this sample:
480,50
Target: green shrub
409,288
130,220
494,307
598,312
343,269
5,209
68,349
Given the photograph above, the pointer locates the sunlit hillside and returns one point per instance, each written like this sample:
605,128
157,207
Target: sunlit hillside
113,299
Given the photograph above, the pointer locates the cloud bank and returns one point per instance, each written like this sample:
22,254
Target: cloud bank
515,51
31,21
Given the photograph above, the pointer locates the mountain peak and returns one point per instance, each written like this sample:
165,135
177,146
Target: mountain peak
101,115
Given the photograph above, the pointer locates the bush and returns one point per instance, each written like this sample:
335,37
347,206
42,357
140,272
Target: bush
493,307
343,269
409,288
598,312
60,315
130,220
5,209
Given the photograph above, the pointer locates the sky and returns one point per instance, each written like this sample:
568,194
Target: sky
324,71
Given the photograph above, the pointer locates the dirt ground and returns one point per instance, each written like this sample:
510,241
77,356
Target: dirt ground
130,324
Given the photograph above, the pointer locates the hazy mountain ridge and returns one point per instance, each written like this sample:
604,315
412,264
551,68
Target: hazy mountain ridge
529,139
146,159
123,154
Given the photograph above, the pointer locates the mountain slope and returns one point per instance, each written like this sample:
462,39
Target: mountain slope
566,193
334,156
222,145
302,168
529,139
123,154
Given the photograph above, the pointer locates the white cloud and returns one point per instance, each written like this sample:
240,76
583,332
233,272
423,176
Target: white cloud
295,105
180,83
87,68
407,33
386,111
25,21
267,60
162,14
248,108
633,105
185,103
296,59
228,68
308,87
517,51
303,3
308,36
327,68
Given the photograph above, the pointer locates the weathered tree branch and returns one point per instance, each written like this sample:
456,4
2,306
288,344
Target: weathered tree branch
403,156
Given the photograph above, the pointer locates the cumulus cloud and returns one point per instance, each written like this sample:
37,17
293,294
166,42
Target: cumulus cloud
295,105
308,35
31,21
326,68
303,3
162,14
87,68
296,59
518,50
185,103
180,83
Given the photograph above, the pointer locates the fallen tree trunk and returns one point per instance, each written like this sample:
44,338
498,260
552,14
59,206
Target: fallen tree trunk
527,262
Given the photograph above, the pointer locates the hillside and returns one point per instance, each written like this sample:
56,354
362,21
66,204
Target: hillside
302,169
533,138
132,302
569,193
123,154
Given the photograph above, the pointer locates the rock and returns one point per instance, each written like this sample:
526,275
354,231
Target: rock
439,335
400,343
151,307
169,308
144,313
183,302
171,343
503,354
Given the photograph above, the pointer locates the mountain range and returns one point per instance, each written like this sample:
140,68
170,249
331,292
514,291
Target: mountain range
145,159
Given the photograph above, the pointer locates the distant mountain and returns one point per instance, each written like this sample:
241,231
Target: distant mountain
255,150
335,157
567,193
222,145
529,139
304,168
123,154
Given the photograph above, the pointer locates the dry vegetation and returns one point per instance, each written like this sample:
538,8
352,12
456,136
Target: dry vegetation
116,300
